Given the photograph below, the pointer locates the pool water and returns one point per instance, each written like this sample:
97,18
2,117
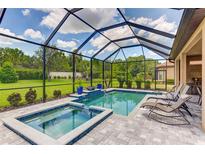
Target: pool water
57,122
120,102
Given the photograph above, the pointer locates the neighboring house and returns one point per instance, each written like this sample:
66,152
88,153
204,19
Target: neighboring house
161,71
66,75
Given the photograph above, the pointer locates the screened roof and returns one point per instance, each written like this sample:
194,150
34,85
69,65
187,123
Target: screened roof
104,34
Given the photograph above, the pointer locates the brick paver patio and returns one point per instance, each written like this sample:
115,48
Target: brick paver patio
134,129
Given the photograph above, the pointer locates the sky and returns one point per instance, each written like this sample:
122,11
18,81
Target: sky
37,24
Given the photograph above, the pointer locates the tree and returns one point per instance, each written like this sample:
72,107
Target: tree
8,73
55,60
11,55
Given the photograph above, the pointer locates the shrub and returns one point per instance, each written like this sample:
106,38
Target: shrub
8,73
121,80
30,74
31,96
147,84
57,93
140,76
14,99
170,81
129,84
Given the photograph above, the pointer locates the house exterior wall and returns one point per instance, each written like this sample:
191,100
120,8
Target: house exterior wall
170,72
203,76
198,35
161,75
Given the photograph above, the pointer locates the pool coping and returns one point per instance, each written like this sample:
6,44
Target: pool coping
136,108
36,137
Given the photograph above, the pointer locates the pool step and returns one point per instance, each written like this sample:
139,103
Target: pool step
78,96
88,93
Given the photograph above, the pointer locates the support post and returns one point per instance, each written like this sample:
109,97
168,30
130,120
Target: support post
91,72
127,72
103,74
74,68
176,74
155,74
166,77
144,74
44,74
111,74
203,77
183,69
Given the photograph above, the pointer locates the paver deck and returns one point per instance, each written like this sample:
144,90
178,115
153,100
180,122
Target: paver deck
135,129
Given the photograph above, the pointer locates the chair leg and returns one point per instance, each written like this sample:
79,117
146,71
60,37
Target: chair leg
200,100
181,115
185,107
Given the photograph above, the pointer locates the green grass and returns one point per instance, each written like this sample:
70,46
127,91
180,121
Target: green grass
65,89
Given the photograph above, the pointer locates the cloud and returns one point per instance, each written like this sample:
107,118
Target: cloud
113,34
33,34
142,20
128,42
91,52
160,23
96,17
53,18
151,54
112,47
6,40
99,17
119,32
26,12
74,26
99,42
66,44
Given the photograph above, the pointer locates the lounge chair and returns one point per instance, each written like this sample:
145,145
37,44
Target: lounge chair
168,101
200,94
170,95
163,107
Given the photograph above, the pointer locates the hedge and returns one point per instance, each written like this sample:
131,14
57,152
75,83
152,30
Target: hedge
30,74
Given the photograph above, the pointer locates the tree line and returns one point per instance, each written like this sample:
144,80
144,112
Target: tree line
61,61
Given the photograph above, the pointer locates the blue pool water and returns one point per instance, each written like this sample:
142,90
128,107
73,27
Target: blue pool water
57,122
121,102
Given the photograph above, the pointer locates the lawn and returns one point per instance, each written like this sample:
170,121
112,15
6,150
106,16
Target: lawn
65,89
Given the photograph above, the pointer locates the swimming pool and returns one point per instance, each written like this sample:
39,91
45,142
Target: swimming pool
57,122
63,123
121,102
